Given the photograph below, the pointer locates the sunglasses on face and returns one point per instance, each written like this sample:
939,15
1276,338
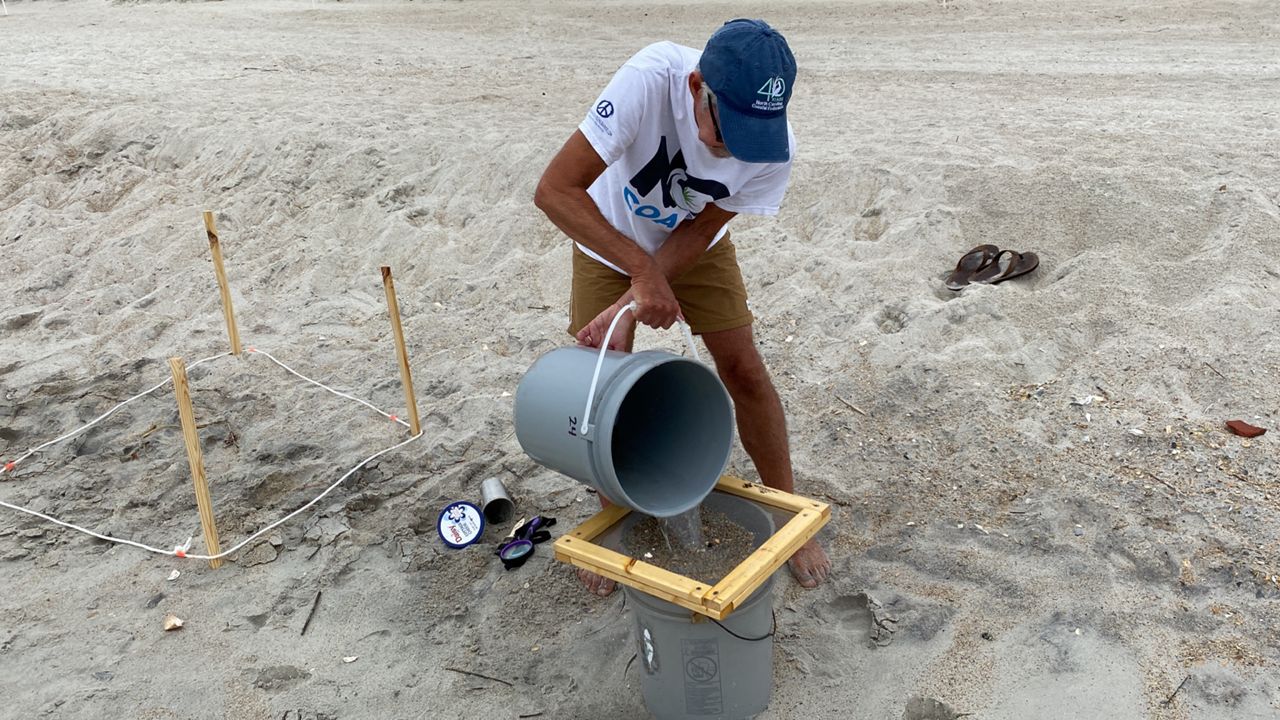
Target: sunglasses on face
715,120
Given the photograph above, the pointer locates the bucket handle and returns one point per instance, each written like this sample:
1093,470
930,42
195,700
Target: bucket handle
772,629
585,428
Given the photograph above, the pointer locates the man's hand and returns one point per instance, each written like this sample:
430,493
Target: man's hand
593,334
656,304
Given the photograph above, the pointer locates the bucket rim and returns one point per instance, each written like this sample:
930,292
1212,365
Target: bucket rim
610,398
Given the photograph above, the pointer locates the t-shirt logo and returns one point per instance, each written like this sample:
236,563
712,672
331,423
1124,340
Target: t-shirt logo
771,91
679,188
604,109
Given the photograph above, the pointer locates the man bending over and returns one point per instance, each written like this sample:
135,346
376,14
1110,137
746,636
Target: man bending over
677,144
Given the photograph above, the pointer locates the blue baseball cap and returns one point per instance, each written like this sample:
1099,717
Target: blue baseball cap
750,68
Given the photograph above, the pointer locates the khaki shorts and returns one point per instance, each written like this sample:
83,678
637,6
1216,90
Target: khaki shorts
711,294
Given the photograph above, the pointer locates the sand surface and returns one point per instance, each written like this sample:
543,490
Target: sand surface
1038,513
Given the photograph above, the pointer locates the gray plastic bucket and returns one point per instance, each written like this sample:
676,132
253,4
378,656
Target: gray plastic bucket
661,425
704,670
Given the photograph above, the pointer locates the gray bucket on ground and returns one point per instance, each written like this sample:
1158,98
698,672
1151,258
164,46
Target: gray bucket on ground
661,425
704,670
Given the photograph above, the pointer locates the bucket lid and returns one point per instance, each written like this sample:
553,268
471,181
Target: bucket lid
460,524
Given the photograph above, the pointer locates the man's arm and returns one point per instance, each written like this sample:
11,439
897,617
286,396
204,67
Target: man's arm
682,248
687,243
562,195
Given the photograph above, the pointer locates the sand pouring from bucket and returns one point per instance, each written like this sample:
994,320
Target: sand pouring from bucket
651,430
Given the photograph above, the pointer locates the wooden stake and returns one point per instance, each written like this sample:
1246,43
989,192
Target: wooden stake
227,310
195,458
401,353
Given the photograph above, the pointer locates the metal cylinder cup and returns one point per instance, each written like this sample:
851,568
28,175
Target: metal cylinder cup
495,502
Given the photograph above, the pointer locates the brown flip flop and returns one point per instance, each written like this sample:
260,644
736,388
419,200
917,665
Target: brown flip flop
1008,264
972,262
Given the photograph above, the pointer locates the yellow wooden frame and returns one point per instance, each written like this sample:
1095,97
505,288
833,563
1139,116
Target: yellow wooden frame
578,548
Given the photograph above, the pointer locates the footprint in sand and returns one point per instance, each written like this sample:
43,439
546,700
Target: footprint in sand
921,708
891,320
279,677
865,618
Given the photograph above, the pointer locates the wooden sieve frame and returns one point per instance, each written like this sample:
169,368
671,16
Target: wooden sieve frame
715,601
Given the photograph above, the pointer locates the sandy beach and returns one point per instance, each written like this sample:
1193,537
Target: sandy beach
1038,512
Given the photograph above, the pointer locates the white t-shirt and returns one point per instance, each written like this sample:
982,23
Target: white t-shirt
659,173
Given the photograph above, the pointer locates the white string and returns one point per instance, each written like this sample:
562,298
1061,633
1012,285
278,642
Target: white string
100,418
180,550
595,377
317,499
108,538
340,394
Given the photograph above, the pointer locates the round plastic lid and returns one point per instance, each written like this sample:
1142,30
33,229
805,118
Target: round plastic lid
460,524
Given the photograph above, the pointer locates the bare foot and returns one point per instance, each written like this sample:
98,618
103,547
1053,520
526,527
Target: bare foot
598,585
810,565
